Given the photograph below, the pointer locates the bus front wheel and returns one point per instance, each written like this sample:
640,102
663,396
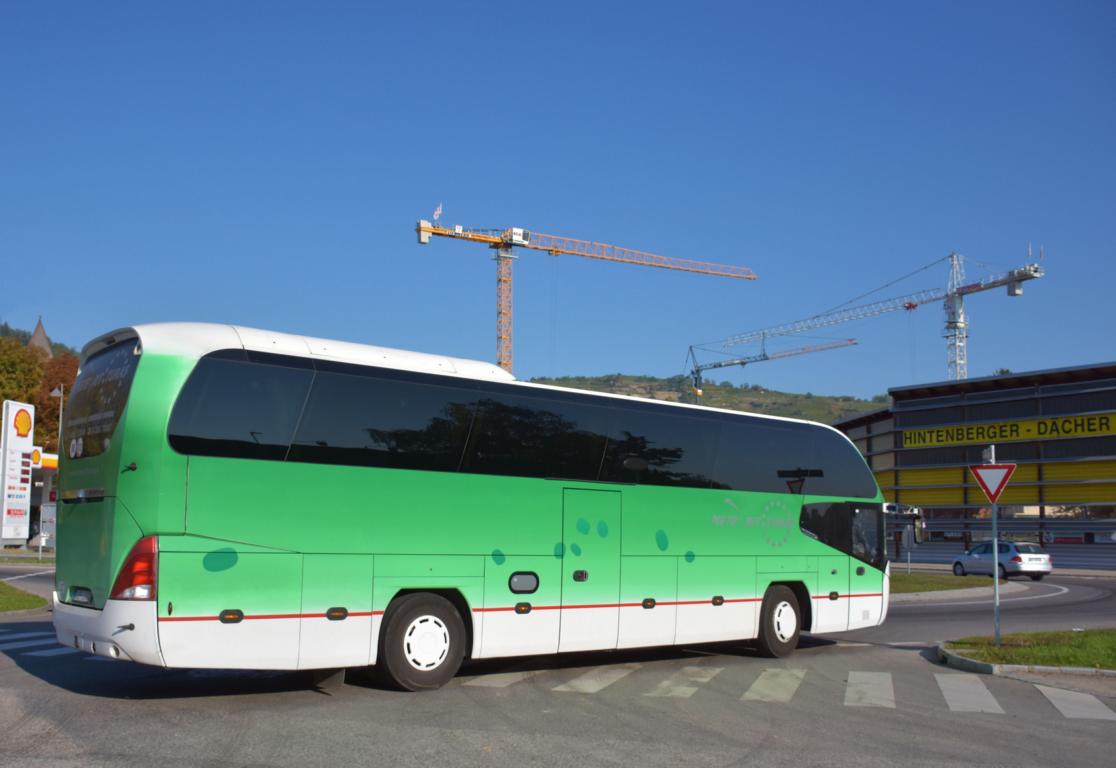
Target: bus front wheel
780,622
422,642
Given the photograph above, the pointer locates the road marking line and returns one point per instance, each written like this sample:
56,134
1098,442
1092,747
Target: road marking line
966,693
502,680
62,651
775,685
28,644
28,575
597,679
676,686
1077,706
27,635
1062,591
870,689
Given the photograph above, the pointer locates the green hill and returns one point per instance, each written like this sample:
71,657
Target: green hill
753,398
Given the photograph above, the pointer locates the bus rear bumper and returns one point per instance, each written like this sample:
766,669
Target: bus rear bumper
125,630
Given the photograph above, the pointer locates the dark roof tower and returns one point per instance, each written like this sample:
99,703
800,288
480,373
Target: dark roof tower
39,339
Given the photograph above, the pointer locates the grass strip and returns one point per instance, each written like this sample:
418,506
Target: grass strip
1095,648
12,599
26,560
902,583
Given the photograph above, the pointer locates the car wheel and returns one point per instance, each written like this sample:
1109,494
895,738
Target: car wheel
422,642
780,622
958,569
1037,576
1003,572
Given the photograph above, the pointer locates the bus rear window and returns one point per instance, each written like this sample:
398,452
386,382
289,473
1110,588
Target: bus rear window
94,407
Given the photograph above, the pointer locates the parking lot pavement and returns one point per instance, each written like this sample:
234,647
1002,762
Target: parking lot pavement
828,704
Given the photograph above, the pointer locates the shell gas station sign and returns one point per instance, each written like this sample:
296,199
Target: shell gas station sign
17,448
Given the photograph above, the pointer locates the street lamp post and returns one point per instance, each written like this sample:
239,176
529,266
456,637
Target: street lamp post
60,393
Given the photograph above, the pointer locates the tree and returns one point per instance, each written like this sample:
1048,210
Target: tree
58,371
20,370
1002,372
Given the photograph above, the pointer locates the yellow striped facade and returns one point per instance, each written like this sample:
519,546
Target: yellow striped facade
1082,482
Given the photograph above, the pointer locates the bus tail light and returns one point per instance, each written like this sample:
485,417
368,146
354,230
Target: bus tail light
137,577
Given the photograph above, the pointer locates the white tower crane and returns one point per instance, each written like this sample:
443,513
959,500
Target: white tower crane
953,296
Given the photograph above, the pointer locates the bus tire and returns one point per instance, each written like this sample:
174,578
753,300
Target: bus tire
780,622
422,642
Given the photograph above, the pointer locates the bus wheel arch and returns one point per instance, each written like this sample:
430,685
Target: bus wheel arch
780,622
456,598
423,639
805,604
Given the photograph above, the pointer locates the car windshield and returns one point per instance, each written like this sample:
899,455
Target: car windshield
1029,549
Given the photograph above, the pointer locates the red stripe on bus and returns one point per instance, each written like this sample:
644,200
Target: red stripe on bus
617,605
842,597
269,616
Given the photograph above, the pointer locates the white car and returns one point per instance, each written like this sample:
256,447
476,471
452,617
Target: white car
1014,558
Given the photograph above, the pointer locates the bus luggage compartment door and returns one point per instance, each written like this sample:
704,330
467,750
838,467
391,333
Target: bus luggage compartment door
590,570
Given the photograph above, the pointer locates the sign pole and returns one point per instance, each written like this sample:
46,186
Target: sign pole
910,545
996,560
992,479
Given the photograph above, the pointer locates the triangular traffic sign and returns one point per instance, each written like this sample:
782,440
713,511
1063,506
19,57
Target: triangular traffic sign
992,478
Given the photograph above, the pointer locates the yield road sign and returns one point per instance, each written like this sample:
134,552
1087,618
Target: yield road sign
992,478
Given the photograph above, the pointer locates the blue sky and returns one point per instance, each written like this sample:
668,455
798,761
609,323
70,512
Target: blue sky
265,163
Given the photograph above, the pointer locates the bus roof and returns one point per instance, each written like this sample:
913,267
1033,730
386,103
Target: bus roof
198,339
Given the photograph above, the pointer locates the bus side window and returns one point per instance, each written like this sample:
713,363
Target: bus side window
239,409
383,420
752,452
844,472
530,435
655,447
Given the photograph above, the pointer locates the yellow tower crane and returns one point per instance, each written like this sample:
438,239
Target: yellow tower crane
503,241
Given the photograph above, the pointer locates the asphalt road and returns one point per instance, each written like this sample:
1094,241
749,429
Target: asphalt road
858,701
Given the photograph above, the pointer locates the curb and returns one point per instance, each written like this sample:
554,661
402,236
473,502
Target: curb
945,596
965,664
25,611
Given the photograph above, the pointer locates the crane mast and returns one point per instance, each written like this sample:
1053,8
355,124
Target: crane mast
953,298
503,241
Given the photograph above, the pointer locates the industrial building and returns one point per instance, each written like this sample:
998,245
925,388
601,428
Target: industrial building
1058,426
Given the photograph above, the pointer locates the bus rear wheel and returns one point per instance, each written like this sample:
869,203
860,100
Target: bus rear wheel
780,622
422,642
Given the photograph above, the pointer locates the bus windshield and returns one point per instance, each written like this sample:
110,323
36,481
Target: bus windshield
98,399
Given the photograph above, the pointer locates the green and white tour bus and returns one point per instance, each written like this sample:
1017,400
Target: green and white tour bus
237,498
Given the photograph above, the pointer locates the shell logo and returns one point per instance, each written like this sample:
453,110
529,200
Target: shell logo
22,422
36,456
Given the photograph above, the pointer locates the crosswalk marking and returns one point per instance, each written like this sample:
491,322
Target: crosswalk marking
680,684
61,651
967,693
870,689
775,685
597,679
28,644
502,680
27,636
1077,706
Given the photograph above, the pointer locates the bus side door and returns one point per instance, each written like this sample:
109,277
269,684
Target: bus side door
831,603
590,570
